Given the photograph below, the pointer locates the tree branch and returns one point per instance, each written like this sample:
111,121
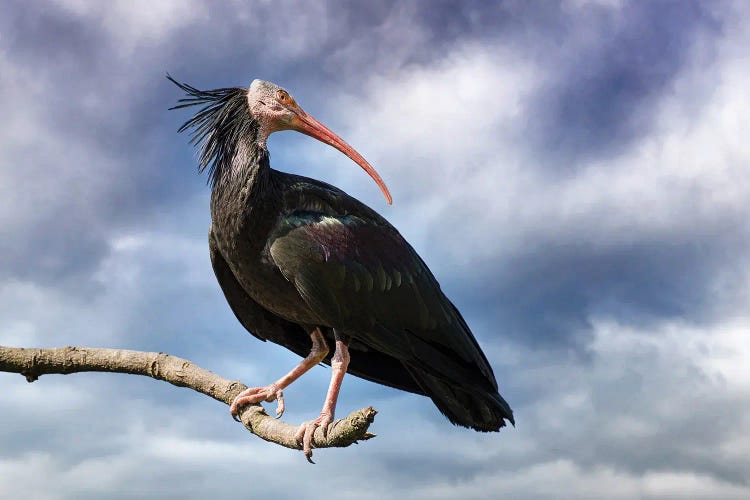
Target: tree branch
33,363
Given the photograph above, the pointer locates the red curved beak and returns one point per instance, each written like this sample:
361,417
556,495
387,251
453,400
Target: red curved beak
302,122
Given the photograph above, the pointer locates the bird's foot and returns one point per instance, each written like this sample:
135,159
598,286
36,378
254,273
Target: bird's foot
305,432
255,395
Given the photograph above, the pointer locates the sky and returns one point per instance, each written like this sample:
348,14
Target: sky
575,173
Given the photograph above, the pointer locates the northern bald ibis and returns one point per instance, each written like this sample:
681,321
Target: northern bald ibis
308,267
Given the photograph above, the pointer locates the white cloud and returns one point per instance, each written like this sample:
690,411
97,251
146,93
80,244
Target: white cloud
134,24
448,138
655,410
34,182
579,4
573,441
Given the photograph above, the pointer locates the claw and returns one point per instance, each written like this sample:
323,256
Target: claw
279,404
255,395
306,431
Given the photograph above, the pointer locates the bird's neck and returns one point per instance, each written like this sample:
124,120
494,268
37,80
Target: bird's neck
244,189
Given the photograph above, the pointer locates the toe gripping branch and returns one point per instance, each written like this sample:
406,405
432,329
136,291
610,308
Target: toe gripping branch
33,363
340,434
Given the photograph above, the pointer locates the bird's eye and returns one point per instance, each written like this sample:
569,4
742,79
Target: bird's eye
284,98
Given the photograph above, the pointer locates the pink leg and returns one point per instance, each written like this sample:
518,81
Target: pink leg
339,364
275,390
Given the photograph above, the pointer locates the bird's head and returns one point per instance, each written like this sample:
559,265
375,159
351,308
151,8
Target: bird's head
273,107
268,108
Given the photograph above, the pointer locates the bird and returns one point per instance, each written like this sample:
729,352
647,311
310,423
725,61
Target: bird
306,266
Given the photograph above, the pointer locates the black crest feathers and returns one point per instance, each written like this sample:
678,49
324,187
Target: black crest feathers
219,126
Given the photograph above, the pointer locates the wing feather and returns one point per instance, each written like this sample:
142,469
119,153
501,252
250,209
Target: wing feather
344,267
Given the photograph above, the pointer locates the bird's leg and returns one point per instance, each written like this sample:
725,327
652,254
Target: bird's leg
275,390
339,364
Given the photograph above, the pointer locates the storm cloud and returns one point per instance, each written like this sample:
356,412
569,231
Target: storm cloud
575,173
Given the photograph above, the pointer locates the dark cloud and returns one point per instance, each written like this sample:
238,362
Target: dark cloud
547,296
629,424
53,40
611,68
580,397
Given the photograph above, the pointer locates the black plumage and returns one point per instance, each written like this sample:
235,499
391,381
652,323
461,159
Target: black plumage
293,254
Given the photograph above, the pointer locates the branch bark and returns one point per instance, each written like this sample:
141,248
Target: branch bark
33,363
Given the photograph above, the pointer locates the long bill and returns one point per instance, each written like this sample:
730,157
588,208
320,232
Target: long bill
302,122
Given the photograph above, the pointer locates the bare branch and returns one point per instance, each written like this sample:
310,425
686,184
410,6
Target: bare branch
33,363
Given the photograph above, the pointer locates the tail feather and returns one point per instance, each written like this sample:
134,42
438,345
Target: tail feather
467,406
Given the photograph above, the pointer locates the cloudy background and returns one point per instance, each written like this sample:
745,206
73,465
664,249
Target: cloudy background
576,174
